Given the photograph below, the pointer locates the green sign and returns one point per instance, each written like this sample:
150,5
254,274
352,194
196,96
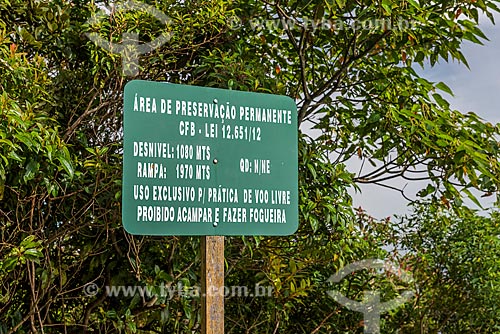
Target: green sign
205,161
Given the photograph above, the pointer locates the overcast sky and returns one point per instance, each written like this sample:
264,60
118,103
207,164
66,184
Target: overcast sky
475,90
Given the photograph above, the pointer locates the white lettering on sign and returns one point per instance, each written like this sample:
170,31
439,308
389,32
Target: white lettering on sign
153,150
265,115
187,172
280,197
145,104
223,111
211,130
202,172
257,166
187,128
184,171
151,170
166,106
155,213
222,195
234,215
240,132
141,192
202,152
261,196
173,193
194,215
247,196
185,152
206,110
266,215
262,166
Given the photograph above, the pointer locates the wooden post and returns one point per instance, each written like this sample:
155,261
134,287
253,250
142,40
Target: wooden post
212,284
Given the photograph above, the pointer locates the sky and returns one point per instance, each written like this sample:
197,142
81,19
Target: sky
476,89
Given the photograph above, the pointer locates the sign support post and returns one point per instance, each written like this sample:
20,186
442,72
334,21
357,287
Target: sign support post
212,284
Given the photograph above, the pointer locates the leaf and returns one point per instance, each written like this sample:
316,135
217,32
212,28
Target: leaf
293,266
314,223
44,278
414,4
374,118
419,57
68,167
312,170
428,190
387,6
340,3
10,263
29,242
33,254
440,101
31,170
25,139
442,86
472,197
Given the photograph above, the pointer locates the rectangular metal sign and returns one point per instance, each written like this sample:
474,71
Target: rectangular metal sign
206,161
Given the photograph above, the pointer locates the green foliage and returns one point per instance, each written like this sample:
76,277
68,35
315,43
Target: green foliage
60,166
457,256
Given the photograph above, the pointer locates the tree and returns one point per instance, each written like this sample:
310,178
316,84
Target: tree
454,258
350,66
